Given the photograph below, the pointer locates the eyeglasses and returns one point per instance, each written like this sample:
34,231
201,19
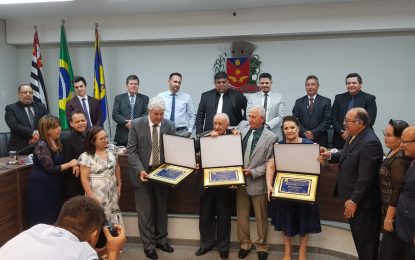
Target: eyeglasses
102,139
385,134
26,92
406,142
346,121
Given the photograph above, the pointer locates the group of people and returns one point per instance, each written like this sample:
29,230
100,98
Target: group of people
92,169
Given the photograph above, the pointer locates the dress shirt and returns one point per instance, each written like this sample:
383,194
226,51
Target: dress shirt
87,106
185,115
151,135
314,99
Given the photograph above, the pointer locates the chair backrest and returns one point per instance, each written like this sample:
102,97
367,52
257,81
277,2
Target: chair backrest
4,140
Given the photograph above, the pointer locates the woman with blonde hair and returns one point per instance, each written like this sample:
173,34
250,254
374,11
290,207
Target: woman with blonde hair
45,193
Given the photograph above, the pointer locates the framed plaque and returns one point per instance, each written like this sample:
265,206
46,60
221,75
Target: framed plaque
297,171
295,186
222,160
224,176
179,160
170,174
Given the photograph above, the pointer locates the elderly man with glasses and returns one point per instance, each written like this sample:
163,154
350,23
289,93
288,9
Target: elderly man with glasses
357,181
22,118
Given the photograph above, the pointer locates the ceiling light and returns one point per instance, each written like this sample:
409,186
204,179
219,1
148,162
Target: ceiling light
9,2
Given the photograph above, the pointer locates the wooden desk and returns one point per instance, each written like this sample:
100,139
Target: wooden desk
183,199
14,180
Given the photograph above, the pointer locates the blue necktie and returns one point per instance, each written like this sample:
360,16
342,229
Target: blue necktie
351,103
173,107
132,106
84,107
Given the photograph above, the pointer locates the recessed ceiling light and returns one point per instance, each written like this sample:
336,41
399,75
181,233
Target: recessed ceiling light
9,2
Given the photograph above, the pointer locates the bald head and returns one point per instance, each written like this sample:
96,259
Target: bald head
408,141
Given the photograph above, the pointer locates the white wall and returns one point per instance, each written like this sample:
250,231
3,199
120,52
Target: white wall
8,74
386,62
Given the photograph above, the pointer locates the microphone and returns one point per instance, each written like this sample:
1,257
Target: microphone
26,148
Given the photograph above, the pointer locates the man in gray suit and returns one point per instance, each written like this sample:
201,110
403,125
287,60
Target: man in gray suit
272,101
145,153
257,149
128,106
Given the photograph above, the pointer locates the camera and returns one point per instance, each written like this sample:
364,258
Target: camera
111,228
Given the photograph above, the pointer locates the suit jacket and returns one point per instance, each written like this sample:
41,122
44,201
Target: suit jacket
139,146
405,213
339,110
20,129
122,112
73,146
256,183
94,109
359,164
234,105
317,121
275,106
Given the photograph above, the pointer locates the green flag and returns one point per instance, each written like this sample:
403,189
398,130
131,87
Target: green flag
66,88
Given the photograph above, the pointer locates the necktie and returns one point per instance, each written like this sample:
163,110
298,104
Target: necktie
311,107
85,108
132,106
220,104
265,105
31,116
247,154
351,103
155,149
173,107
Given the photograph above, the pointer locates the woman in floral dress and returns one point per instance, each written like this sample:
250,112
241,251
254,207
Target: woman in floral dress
101,174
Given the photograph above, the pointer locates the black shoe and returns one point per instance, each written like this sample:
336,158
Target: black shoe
202,251
262,255
243,252
224,254
151,254
166,247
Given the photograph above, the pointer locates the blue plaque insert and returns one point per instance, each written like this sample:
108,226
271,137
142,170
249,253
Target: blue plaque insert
295,186
169,174
223,176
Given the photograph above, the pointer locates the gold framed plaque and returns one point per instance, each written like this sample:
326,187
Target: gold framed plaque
295,186
223,176
170,174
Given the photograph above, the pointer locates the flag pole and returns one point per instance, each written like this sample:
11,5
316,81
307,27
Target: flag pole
106,92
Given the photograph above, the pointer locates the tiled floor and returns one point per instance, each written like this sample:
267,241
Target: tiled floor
135,252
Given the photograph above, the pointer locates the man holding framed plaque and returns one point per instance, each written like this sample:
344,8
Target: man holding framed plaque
144,155
257,149
215,201
357,182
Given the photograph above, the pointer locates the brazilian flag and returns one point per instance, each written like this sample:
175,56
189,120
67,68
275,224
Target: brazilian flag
66,89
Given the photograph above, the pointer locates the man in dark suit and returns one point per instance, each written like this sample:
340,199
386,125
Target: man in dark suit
82,102
314,113
127,107
145,153
354,97
222,99
22,118
357,181
215,211
73,146
405,210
